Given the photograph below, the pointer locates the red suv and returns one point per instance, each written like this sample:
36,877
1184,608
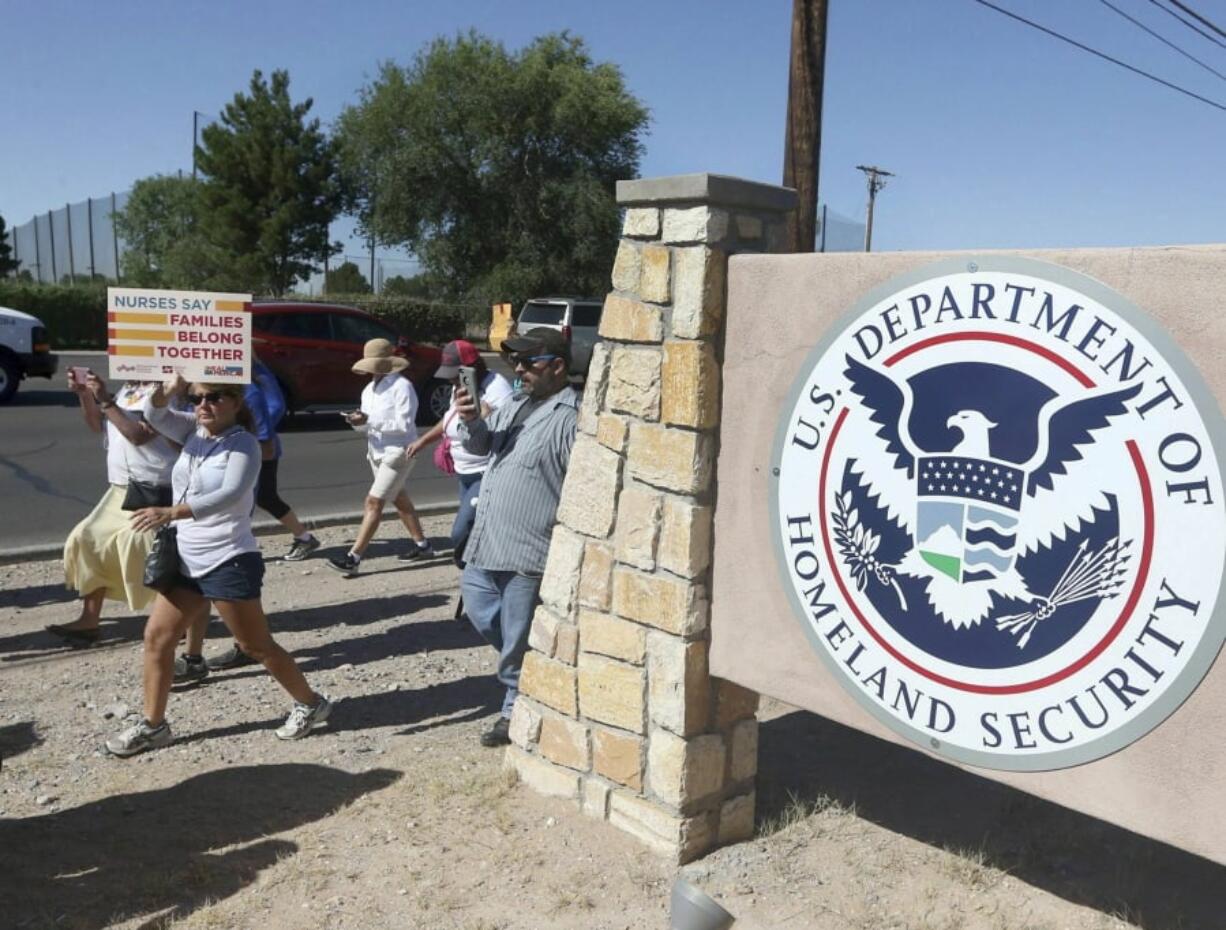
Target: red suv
311,349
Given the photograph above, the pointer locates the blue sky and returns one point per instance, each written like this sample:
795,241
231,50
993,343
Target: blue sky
1000,137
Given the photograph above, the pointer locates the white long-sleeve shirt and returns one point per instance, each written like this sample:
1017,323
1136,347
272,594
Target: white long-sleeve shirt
390,405
216,477
150,462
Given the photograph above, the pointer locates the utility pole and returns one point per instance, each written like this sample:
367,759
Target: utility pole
876,180
803,140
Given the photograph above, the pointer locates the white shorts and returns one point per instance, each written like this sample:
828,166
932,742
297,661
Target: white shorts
390,470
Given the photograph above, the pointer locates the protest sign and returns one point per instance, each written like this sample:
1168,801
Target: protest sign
154,334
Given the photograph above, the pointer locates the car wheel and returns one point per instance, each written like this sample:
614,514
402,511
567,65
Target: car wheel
10,377
433,405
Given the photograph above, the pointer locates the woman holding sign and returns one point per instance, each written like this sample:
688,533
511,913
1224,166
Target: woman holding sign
104,556
218,559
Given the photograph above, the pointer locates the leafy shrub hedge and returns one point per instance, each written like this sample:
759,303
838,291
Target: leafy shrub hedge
75,316
418,319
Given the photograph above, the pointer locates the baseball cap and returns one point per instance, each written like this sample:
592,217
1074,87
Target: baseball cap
456,353
540,341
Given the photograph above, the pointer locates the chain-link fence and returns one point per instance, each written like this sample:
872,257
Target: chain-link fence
839,233
74,244
78,243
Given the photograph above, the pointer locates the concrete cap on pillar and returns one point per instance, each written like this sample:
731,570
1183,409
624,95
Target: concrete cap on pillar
706,188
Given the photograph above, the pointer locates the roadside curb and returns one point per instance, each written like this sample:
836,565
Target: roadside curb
264,527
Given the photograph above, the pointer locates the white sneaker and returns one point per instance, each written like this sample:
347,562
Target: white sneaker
138,738
303,717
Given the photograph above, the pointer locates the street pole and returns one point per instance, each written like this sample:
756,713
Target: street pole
72,262
89,218
876,181
195,135
115,240
372,263
803,140
51,223
38,253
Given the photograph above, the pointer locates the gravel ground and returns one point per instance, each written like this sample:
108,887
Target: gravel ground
394,816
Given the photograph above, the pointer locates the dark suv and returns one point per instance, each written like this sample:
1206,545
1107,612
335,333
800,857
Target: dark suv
311,349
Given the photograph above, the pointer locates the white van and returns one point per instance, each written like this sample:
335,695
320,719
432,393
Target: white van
25,351
577,318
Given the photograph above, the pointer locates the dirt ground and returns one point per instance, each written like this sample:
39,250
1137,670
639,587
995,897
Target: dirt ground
394,817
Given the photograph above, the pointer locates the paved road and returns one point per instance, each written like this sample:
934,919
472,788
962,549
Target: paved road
53,469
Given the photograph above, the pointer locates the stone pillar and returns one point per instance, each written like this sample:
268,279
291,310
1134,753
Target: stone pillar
617,709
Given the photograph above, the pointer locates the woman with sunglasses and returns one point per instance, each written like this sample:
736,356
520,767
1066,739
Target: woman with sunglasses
214,493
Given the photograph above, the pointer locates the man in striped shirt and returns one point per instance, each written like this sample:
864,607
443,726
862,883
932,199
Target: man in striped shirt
529,440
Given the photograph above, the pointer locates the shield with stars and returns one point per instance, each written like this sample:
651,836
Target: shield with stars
967,515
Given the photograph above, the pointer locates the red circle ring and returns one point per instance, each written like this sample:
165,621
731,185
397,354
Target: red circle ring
1146,548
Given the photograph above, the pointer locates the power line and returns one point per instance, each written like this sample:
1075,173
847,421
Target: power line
1162,39
1103,55
1195,28
1191,12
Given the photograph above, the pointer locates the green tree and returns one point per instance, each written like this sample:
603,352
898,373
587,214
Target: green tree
496,168
8,265
270,188
163,239
419,285
347,278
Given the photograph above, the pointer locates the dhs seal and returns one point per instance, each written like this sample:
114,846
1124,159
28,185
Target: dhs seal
999,513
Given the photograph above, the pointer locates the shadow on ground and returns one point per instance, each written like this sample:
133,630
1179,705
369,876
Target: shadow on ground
118,631
411,710
16,738
805,759
403,640
153,854
37,595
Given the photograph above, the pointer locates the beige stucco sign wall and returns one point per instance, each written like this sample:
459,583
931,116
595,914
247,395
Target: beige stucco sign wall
973,504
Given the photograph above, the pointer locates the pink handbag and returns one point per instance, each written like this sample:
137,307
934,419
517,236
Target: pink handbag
442,451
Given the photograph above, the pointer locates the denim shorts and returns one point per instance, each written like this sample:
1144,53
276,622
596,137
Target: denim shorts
236,579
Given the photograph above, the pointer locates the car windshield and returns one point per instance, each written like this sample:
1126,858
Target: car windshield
542,313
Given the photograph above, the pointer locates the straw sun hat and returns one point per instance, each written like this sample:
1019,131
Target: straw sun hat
377,359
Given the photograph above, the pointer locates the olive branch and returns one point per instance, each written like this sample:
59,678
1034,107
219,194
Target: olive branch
858,546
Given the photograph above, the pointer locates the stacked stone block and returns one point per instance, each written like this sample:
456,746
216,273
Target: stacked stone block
617,709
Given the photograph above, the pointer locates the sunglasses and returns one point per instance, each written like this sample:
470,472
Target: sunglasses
528,360
212,397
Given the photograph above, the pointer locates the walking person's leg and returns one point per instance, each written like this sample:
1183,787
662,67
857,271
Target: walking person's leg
249,626
421,547
384,487
466,514
482,593
172,612
191,667
519,600
268,499
85,628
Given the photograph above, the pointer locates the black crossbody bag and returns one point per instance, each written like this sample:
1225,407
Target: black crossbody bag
141,494
162,564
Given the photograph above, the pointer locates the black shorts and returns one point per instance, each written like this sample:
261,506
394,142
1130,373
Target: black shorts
236,579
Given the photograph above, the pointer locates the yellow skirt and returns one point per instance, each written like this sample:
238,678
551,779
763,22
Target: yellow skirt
103,551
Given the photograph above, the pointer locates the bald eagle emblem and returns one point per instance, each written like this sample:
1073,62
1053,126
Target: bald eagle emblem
983,507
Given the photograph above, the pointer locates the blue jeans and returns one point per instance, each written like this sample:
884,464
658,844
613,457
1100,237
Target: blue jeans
470,487
500,605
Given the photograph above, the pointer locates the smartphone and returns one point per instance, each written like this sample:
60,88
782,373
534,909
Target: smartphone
468,378
79,373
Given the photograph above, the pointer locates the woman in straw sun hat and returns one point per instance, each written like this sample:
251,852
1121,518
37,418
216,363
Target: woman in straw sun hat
388,418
